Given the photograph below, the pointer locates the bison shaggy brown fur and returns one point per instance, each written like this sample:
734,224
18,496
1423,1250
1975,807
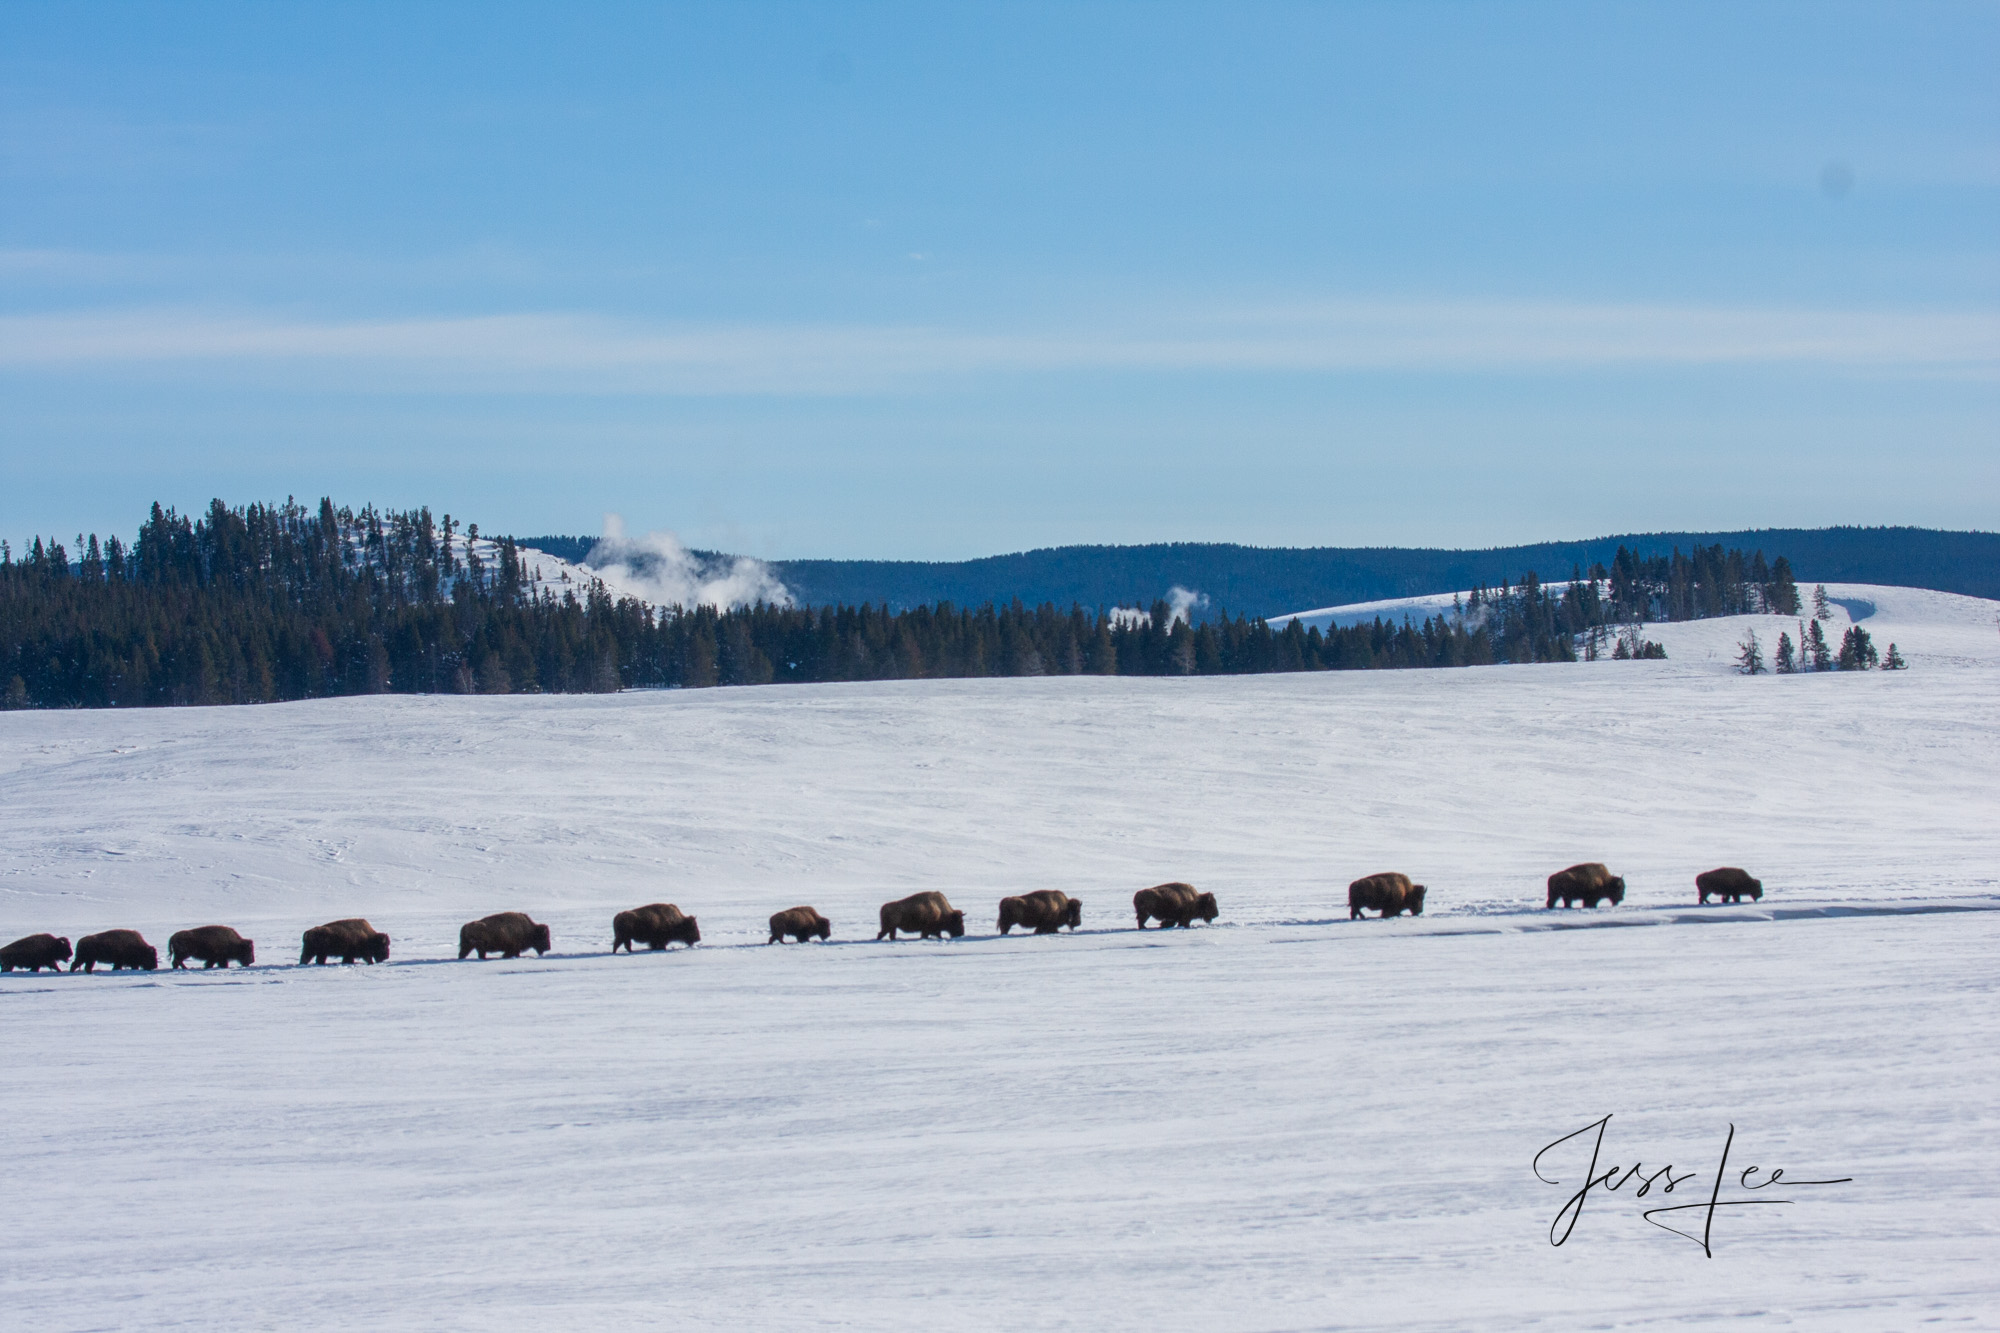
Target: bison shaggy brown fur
1589,883
346,940
1046,911
1391,894
508,934
35,952
927,915
1173,904
1729,882
117,948
656,925
215,946
801,923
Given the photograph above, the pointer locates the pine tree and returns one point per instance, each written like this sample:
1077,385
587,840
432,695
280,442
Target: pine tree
1821,611
1786,663
1781,595
1822,660
1750,660
1894,661
1857,653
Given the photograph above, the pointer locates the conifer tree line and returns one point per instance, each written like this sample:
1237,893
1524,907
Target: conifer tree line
263,603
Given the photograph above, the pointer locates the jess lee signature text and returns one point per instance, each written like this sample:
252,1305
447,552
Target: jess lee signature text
1662,1181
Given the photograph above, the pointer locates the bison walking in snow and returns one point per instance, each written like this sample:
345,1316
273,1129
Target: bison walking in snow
35,952
656,925
1589,883
1391,894
116,949
801,923
508,934
1173,904
212,946
1728,882
346,940
1045,912
927,915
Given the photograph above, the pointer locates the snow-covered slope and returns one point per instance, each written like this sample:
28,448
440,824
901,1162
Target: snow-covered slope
1284,1120
1936,628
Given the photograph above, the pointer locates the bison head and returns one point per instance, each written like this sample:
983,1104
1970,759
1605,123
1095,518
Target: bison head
1416,900
825,929
539,941
1616,889
1204,907
152,959
1074,916
693,931
378,947
954,923
62,946
247,955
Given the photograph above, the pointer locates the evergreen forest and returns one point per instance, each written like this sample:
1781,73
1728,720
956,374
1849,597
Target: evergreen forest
262,603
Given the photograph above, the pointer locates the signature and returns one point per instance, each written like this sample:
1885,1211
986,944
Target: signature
1665,1180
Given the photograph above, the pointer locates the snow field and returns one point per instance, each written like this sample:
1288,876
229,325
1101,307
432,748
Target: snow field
1285,1120
1229,1128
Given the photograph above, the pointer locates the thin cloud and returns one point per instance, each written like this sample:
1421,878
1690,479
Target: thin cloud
572,353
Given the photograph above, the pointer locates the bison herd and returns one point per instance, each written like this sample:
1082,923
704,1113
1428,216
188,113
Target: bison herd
928,915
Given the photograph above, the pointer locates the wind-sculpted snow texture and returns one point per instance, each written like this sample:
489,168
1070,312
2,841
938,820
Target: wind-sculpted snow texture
1282,1120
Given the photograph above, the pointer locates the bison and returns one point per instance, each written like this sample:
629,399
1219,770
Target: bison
656,925
346,940
927,915
801,923
1046,910
505,933
36,952
118,948
1589,884
1729,882
1391,894
1174,904
215,946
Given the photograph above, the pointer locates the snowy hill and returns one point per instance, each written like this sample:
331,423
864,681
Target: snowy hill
1934,628
1284,1120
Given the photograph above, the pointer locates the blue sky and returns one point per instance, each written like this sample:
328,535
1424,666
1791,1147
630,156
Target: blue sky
940,281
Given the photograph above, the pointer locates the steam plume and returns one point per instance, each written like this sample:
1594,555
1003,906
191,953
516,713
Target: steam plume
666,573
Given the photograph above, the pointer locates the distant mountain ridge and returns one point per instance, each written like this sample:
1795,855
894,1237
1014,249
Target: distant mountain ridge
1269,581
